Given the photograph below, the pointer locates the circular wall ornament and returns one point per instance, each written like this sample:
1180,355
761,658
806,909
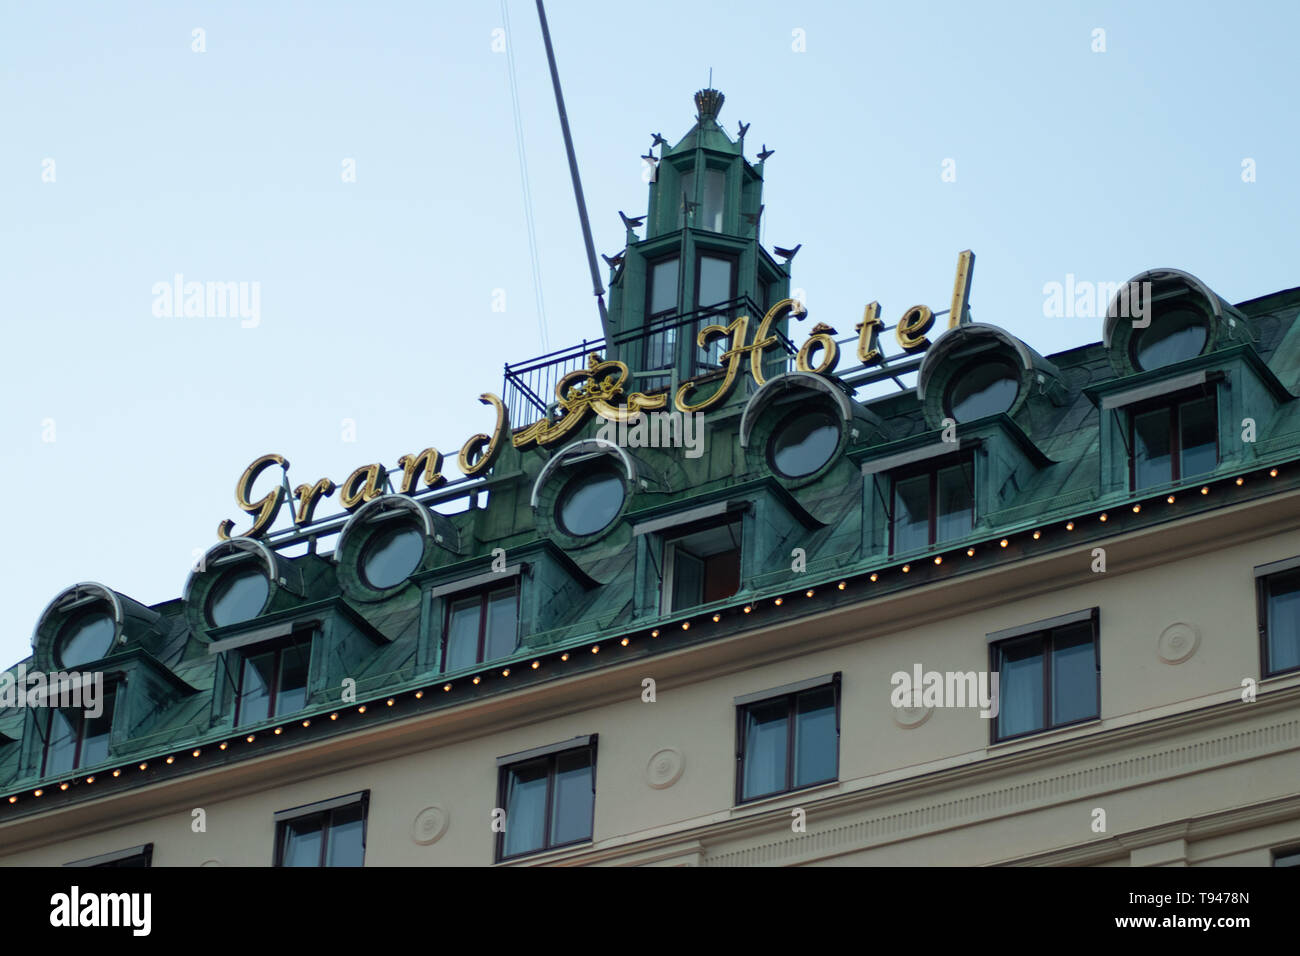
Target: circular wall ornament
665,768
910,717
430,824
1177,643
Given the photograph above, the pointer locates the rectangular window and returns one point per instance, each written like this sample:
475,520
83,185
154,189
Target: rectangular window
133,858
75,739
1279,621
272,682
331,833
1048,678
1173,441
661,307
482,626
686,194
549,801
714,286
1288,857
715,191
702,566
788,741
931,507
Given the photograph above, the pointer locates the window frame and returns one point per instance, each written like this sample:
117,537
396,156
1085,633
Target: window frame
1045,631
702,320
668,556
1263,575
1172,405
110,694
326,809
790,694
932,467
278,647
483,592
551,754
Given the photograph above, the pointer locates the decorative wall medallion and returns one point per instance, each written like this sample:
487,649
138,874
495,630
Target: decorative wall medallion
1177,643
430,824
665,768
909,717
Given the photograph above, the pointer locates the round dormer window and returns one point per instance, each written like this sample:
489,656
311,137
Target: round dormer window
391,556
804,443
86,637
591,501
1174,336
239,595
985,388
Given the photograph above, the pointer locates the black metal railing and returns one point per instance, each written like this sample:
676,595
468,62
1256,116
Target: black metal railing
654,354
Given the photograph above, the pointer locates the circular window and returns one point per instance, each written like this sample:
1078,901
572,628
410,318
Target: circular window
983,389
590,502
87,637
804,443
1176,335
238,596
391,556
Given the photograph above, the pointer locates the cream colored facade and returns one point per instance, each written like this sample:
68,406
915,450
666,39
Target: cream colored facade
1186,772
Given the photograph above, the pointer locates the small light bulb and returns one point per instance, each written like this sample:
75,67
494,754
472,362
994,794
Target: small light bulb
1003,543
970,553
334,716
938,559
197,752
1069,526
279,731
1170,499
13,799
778,601
1205,489
595,648
686,625
874,576
536,664
90,780
624,642
250,738
842,585
419,694
564,657
117,773
654,633
477,679
809,593
717,618
63,786
1104,517
37,793
305,723
1037,535
1272,473
446,687
361,709
1137,509
748,608
906,568
224,745
144,766
1241,481
171,759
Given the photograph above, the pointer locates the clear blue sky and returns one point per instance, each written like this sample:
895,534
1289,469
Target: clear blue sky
376,295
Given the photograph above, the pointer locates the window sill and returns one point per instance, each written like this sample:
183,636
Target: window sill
547,856
791,798
1051,734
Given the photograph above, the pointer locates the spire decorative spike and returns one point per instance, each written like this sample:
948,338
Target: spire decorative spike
708,104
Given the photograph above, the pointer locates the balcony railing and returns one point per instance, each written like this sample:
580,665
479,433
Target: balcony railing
654,354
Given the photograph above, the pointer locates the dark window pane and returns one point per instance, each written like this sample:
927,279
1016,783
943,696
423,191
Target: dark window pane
347,837
525,808
721,576
1151,452
239,596
391,556
292,695
956,504
462,633
1177,335
985,389
715,281
912,513
804,443
501,624
1199,437
715,182
816,747
302,842
590,502
572,803
688,580
61,742
87,637
766,746
663,287
1074,675
95,731
1282,623
1020,677
255,688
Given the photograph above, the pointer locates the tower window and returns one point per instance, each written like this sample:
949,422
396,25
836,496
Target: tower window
715,285
715,189
684,196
